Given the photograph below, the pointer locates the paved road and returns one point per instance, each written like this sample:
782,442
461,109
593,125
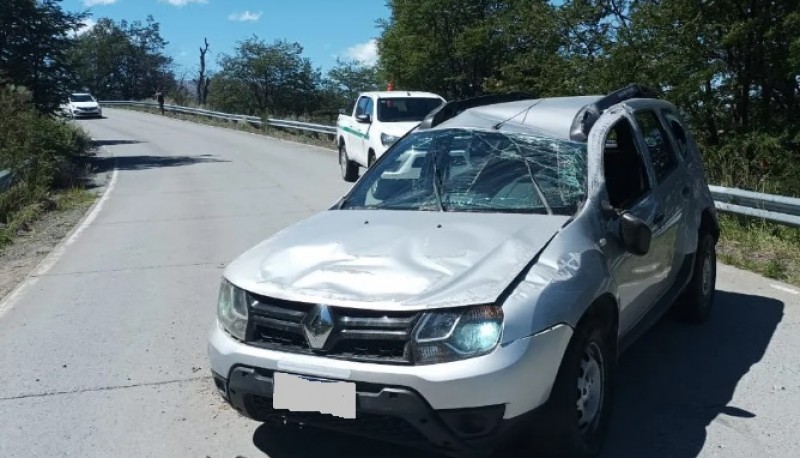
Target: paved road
104,353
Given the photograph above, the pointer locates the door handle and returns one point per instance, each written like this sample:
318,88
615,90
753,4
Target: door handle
658,219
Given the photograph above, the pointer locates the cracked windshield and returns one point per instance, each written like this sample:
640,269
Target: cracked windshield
477,171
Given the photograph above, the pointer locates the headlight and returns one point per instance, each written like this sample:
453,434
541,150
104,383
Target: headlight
446,336
232,309
388,140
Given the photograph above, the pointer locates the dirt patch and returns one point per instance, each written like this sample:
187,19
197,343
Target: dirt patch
30,247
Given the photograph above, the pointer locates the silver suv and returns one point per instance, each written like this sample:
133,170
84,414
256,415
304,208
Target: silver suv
486,297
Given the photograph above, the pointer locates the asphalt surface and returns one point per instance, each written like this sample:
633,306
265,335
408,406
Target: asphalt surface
103,353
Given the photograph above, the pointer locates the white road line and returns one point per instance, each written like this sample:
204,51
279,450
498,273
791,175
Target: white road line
785,289
47,263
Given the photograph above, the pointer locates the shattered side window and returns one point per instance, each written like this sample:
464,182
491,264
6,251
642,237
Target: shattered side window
467,170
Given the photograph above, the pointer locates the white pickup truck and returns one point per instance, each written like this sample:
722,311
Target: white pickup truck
375,121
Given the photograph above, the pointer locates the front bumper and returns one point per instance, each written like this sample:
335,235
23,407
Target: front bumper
500,387
87,113
392,414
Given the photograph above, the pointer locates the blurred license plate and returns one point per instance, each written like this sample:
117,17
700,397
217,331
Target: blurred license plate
307,394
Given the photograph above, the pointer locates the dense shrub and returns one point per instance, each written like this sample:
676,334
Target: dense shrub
42,152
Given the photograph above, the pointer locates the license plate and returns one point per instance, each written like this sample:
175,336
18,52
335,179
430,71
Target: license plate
300,394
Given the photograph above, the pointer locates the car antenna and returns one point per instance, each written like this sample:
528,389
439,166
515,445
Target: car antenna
501,123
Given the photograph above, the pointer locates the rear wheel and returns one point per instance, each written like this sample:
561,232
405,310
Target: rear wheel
695,303
579,408
348,167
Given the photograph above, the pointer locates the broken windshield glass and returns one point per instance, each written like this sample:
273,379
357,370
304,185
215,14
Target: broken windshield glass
471,170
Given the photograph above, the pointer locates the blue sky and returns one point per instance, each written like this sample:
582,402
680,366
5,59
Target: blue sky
325,28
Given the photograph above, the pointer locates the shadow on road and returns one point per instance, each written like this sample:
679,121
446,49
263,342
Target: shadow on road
295,442
678,378
116,142
672,384
143,162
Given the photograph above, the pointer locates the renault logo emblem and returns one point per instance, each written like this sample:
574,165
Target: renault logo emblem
318,326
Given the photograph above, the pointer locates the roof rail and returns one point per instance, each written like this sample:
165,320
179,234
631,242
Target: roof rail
589,114
452,109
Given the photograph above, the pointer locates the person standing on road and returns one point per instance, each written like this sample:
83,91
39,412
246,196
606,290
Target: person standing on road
160,99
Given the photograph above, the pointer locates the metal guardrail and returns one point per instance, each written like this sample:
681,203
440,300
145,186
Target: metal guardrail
253,120
779,209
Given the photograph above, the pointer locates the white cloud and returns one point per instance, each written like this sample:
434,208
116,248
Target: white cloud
245,16
98,2
366,53
181,3
85,26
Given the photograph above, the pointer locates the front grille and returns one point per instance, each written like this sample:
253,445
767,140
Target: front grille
370,425
357,335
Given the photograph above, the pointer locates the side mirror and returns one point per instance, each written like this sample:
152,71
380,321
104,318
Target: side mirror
607,210
364,118
635,234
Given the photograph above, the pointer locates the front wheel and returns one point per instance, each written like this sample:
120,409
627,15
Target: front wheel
349,168
579,408
694,305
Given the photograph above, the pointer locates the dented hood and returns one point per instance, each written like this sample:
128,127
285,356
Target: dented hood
395,259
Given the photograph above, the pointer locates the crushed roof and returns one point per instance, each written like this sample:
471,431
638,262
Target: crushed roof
552,116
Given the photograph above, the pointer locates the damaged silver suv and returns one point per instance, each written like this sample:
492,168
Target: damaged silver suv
480,281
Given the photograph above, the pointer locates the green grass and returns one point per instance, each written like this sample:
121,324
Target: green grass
22,220
73,197
769,249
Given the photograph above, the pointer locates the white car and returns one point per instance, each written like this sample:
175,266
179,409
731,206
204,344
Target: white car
375,122
82,105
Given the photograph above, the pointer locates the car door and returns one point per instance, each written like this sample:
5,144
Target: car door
667,212
354,130
629,185
364,130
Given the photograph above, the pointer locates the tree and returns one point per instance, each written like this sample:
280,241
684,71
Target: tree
34,39
260,77
452,47
349,78
121,60
203,81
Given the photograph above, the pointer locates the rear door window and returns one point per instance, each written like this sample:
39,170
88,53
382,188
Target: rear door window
678,133
658,144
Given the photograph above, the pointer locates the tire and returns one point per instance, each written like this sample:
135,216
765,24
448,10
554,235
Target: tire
579,410
370,159
349,168
694,305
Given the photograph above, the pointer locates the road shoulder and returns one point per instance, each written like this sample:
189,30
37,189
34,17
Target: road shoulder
30,248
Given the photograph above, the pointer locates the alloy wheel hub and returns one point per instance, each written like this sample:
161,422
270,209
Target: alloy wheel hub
590,388
707,272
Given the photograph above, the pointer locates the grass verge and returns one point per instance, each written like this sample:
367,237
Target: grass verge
769,249
22,220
